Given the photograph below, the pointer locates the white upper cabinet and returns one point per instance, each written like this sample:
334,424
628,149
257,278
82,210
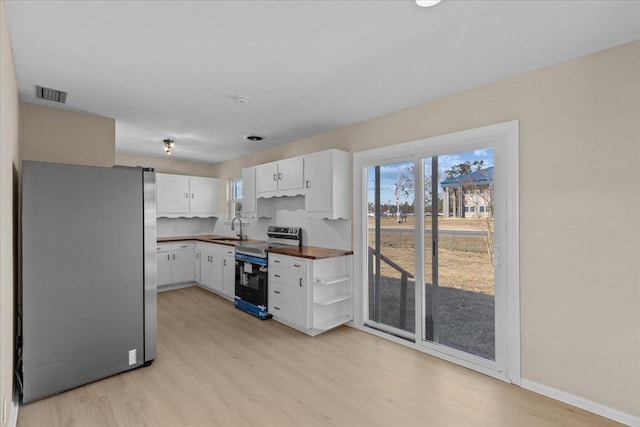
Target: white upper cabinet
324,178
266,178
180,195
327,181
172,193
203,195
290,173
282,178
251,207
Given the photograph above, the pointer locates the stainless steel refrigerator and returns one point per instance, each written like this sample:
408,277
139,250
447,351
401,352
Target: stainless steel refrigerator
88,274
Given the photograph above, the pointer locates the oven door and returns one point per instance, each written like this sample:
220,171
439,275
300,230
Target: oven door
251,282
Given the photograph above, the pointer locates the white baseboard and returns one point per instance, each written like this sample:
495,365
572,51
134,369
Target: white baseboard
582,403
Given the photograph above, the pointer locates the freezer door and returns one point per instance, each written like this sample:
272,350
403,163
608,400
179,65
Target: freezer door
150,267
82,245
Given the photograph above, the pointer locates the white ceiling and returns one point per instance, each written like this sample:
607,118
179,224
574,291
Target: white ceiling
174,68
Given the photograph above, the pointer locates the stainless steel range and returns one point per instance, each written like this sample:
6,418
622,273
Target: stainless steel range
251,269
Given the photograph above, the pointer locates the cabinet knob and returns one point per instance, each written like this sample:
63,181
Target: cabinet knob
276,275
307,184
275,177
301,281
276,292
192,195
169,257
277,308
280,176
186,195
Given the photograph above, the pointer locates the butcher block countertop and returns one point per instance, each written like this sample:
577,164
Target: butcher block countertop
310,252
209,238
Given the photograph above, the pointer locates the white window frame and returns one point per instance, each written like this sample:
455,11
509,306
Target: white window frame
231,202
503,137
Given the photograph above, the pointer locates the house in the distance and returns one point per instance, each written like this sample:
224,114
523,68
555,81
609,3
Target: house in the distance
468,195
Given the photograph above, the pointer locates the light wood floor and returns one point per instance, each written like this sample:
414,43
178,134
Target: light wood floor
218,366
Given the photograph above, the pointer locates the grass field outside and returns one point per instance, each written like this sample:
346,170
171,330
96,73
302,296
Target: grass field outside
463,260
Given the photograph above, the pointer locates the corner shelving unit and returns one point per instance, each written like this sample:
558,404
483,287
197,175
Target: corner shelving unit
332,292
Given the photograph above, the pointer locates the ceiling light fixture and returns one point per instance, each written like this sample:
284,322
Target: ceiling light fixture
427,3
168,146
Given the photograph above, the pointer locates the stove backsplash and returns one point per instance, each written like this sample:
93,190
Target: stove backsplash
289,211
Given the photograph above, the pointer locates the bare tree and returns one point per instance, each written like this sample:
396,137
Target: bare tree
407,184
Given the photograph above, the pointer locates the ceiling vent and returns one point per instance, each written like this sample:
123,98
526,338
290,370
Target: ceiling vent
51,94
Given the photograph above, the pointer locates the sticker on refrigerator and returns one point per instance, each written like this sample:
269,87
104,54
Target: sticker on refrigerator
132,357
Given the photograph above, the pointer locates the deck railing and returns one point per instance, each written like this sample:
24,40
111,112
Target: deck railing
374,291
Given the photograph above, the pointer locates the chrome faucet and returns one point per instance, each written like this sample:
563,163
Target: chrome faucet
233,228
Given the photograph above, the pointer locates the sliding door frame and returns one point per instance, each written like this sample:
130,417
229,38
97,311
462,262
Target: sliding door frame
504,137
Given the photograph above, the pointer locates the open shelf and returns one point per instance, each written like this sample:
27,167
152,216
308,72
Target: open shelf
332,280
332,299
332,323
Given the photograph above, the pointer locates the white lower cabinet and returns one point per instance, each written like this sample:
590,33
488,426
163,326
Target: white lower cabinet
312,296
163,261
197,264
217,268
175,262
229,275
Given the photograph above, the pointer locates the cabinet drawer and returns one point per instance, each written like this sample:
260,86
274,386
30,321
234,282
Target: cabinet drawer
297,264
278,261
278,291
279,308
176,246
277,274
163,247
229,251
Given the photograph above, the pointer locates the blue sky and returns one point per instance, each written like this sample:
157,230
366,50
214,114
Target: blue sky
389,173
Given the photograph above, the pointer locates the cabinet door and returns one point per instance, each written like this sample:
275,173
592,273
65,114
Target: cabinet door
216,268
163,260
248,191
290,174
266,177
172,193
203,195
206,269
318,181
196,266
298,287
182,266
229,276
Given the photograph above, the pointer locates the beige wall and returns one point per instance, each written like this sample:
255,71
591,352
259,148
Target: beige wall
9,172
60,136
166,164
579,204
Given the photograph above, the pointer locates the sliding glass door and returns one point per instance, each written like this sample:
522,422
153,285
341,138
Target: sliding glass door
433,219
459,276
391,248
